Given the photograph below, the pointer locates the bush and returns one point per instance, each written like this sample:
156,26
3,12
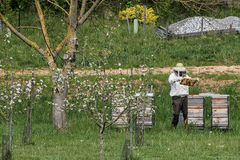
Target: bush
137,12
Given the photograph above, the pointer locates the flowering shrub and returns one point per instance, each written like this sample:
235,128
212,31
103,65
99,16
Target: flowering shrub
33,88
137,12
9,96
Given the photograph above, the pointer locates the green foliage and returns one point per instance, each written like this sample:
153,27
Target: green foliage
138,12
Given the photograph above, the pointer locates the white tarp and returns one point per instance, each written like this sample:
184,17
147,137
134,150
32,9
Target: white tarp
205,24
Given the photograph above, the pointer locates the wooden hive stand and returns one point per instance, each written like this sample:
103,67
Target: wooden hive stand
196,112
143,108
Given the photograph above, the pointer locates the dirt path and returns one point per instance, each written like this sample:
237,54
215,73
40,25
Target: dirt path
136,71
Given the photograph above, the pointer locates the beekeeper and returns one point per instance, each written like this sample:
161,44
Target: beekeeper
179,93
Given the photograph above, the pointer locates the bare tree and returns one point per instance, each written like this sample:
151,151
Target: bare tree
199,5
70,42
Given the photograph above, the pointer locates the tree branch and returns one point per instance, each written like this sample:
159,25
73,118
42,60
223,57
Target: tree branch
58,6
43,25
82,19
67,2
21,36
29,27
119,116
83,8
61,45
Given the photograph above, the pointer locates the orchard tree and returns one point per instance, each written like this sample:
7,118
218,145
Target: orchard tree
31,92
10,95
60,76
97,98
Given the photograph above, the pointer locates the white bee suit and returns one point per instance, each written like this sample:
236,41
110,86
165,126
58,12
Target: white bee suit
176,88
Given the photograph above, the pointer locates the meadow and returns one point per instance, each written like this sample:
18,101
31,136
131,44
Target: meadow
80,140
109,39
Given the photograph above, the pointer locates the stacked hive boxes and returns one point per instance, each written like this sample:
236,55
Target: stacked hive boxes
119,113
144,107
145,111
196,111
220,111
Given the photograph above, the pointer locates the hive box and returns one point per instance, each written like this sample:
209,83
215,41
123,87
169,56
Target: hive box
220,111
196,111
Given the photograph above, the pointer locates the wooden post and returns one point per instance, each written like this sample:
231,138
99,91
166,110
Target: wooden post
135,26
1,26
129,28
131,133
19,18
145,16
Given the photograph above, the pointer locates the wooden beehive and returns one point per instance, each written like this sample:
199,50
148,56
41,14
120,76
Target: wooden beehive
220,111
146,108
119,113
196,111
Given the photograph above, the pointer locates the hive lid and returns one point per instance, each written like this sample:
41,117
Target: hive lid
213,95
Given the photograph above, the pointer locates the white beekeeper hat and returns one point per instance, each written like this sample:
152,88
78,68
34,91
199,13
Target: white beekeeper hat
179,67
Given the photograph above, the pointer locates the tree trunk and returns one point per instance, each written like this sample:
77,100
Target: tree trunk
60,81
6,151
27,132
140,124
101,145
7,135
7,138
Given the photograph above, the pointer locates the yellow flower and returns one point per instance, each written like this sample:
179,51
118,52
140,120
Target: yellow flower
137,12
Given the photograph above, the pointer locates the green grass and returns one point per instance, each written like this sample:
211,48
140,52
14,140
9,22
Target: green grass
80,140
121,47
161,143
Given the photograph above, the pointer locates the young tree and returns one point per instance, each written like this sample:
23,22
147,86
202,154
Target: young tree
61,75
31,91
96,99
10,94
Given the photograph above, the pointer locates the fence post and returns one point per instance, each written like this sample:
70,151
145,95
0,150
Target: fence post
129,29
145,16
1,26
135,22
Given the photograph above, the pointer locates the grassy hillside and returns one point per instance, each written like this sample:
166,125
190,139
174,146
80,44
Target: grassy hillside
109,40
